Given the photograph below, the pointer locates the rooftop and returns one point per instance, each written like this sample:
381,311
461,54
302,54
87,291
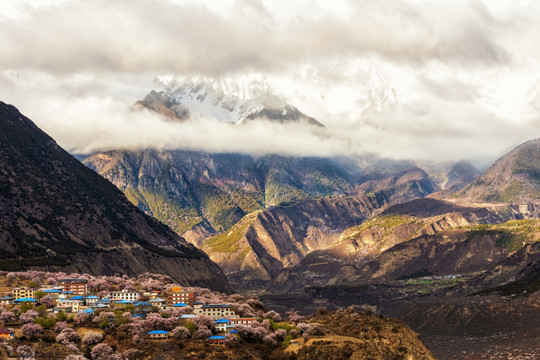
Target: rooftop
158,332
124,302
142,303
216,306
157,300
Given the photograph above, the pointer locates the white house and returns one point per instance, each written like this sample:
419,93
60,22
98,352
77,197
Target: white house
127,295
216,311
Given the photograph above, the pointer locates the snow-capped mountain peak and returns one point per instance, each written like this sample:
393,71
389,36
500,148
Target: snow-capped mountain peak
225,100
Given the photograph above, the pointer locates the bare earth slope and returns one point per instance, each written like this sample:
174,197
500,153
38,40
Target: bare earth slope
263,243
57,214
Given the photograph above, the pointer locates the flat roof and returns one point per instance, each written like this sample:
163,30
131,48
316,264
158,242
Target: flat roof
217,337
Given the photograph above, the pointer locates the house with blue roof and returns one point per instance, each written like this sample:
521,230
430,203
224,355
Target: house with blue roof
217,339
91,300
188,316
158,302
53,293
142,303
69,305
23,300
23,292
158,334
124,302
143,307
221,325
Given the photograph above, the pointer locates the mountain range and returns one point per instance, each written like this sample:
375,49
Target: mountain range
257,215
285,222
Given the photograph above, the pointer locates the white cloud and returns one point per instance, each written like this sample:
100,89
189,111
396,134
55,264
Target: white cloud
418,79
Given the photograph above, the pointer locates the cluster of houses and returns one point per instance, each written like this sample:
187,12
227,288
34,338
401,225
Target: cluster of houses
71,296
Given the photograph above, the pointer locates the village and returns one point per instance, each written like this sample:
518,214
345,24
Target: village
81,312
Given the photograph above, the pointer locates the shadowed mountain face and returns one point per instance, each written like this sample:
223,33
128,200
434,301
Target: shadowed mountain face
55,213
513,178
461,175
406,185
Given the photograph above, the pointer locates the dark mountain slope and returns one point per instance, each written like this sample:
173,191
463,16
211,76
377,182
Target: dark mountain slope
57,214
461,175
406,184
519,274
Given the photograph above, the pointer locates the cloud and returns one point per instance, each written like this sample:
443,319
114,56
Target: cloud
117,127
403,79
140,35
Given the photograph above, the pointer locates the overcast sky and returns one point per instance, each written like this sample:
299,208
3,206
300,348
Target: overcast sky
404,79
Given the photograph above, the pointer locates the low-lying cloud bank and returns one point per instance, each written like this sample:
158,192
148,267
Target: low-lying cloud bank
117,126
